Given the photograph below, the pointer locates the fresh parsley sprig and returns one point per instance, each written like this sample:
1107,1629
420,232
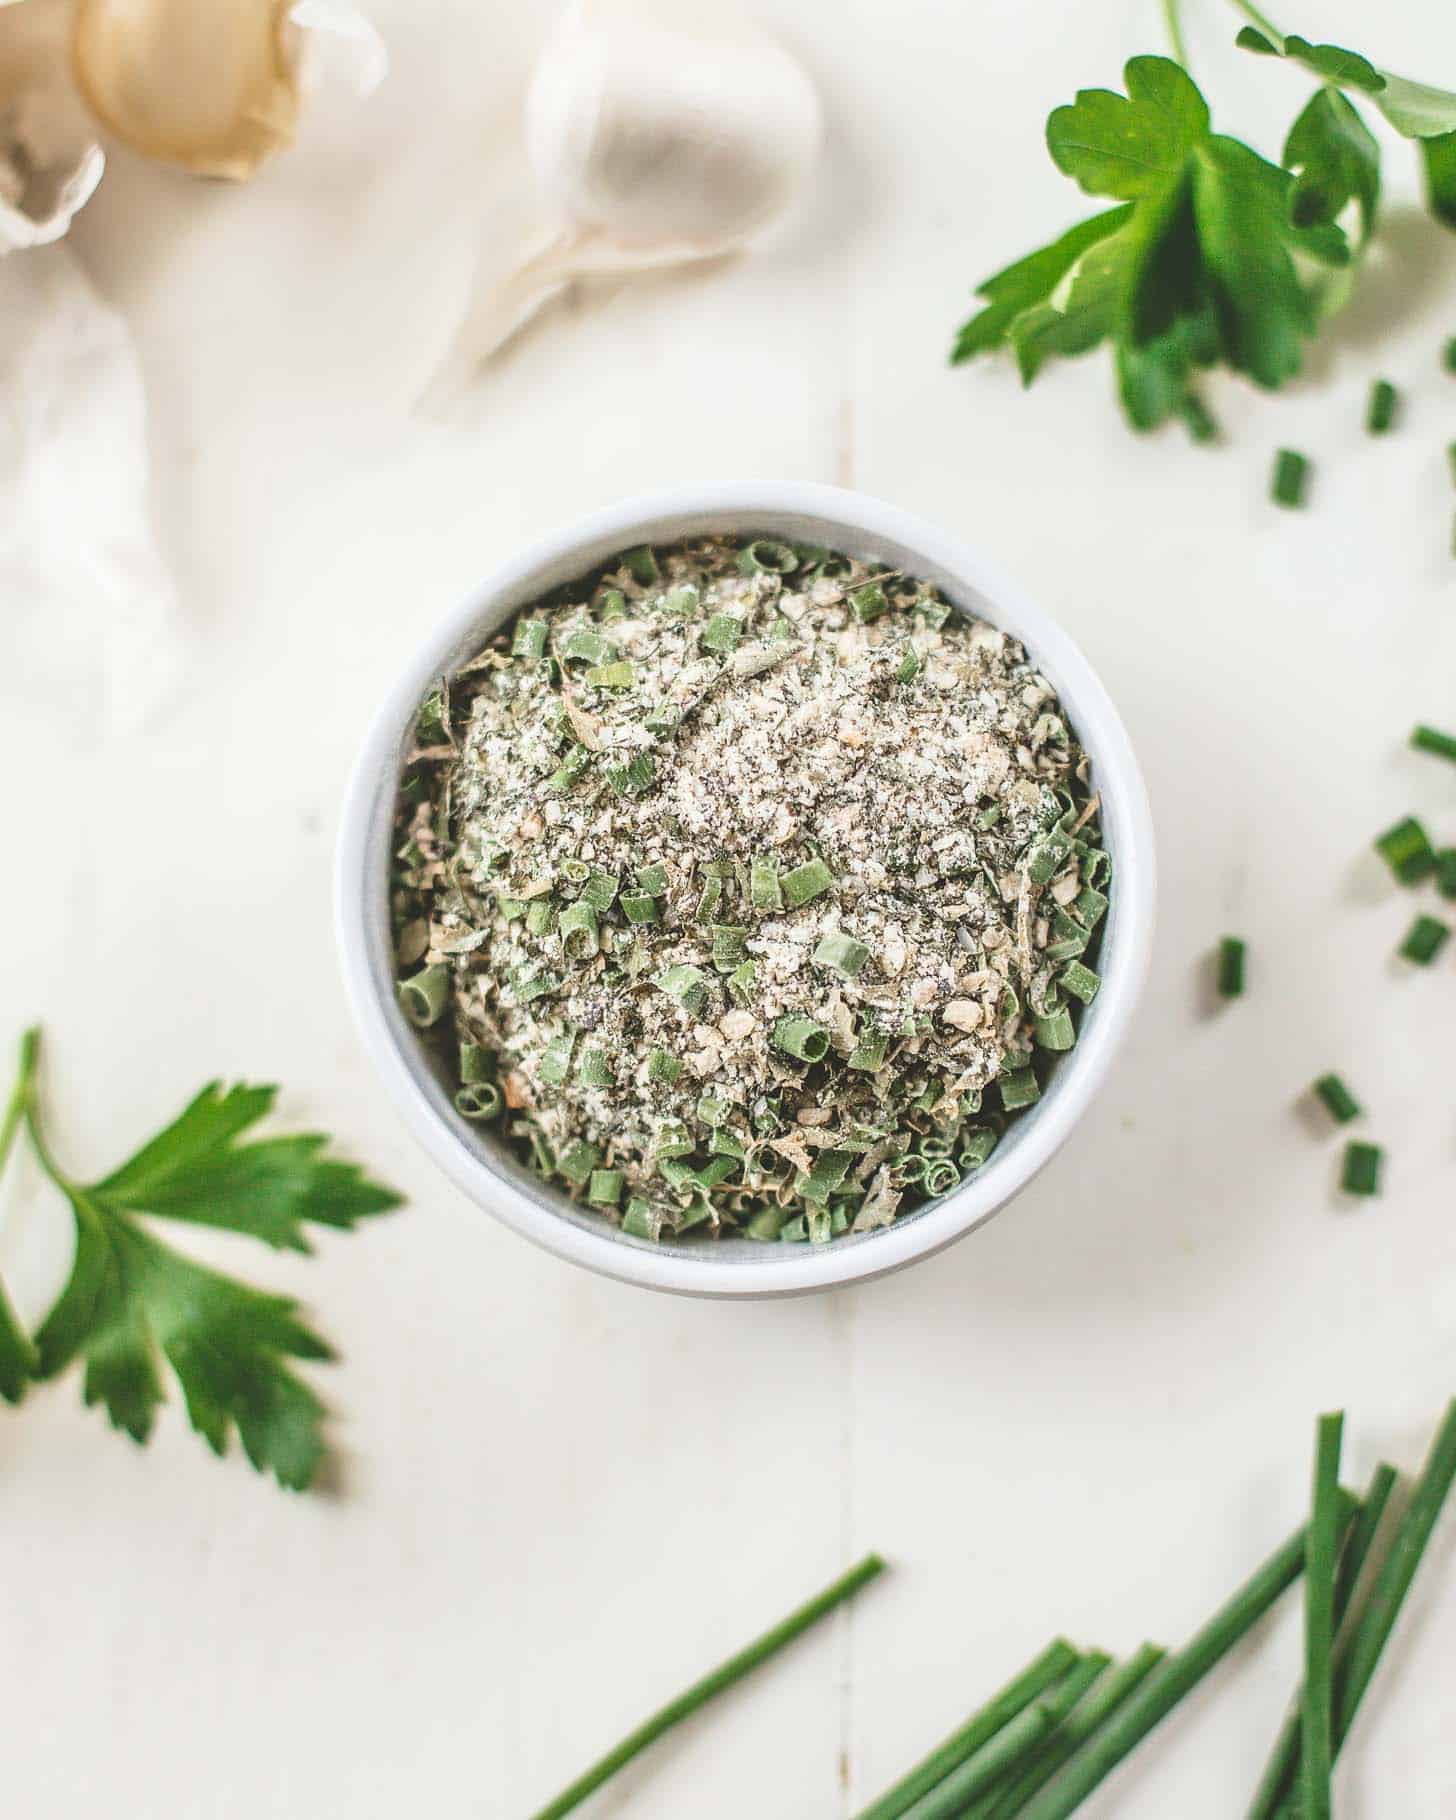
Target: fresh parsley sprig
1213,255
132,1302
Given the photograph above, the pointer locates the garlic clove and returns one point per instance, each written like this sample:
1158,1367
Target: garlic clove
50,163
213,89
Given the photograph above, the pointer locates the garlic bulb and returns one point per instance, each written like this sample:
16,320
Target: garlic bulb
50,162
658,131
212,88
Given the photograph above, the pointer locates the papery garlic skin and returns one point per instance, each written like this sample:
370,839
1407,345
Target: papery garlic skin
50,162
216,87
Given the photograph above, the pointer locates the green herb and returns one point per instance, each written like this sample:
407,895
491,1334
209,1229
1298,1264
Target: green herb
701,1692
1428,739
1291,478
1232,953
530,639
868,603
577,1163
1445,866
641,565
801,1038
1018,1088
764,892
605,1187
653,879
425,996
687,984
1362,1167
587,647
1424,940
1336,1098
1406,849
1319,1619
1380,412
131,1303
661,1066
722,632
1448,355
1080,981
841,953
480,1102
806,882
580,934
618,675
766,555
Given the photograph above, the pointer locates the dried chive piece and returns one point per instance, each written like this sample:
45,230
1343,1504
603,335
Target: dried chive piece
1336,1098
530,639
722,633
764,891
734,1669
767,556
424,997
1317,1747
639,907
868,603
593,1069
1406,849
868,1056
1054,1030
1018,1694
586,647
479,1101
709,899
640,1220
605,1187
430,727
842,953
1429,739
801,1038
941,1175
1232,953
570,769
576,1163
1361,1171
740,982
1080,981
580,932
653,879
641,565
1197,419
830,1169
611,604
555,1063
806,882
1176,1676
1018,1088
1380,412
730,944
1371,1632
663,1066
978,1147
637,775
686,984
531,986
1291,478
1446,872
1424,940
618,675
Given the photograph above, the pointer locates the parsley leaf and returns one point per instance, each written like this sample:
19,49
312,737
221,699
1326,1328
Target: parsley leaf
1335,160
1215,254
131,1303
1415,109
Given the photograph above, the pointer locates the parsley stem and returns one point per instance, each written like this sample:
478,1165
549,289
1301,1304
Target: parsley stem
734,1669
21,1094
1174,23
1256,18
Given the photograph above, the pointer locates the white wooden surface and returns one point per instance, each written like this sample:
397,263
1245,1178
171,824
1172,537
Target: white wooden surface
559,1498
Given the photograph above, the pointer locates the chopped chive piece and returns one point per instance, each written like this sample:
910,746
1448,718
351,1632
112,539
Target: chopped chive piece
570,769
734,1669
868,603
1378,1618
587,647
1428,739
1198,420
909,665
1176,1676
713,1110
593,1069
641,565
708,902
679,602
729,945
530,986
663,1066
801,1038
1291,478
605,1187
1361,1171
687,984
1080,981
1425,939
1336,1098
1045,857
764,892
540,916
640,1219
829,1171
530,639
1380,412
1446,872
619,675
764,554
430,728
1055,1030
423,998
1231,956
807,882
722,633
1018,1088
1449,355
511,908
1317,1748
481,1101
635,776
577,1163
555,1061
941,1175
638,907
612,604
1406,849
767,1223
580,934
983,1725
869,1052
653,879
978,1147
476,1064
842,953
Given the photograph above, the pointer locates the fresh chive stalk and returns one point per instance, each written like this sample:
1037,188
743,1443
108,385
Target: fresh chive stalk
1175,1677
1431,739
983,1725
1317,1752
734,1669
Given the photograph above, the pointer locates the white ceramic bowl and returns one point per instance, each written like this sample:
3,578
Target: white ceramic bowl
485,1168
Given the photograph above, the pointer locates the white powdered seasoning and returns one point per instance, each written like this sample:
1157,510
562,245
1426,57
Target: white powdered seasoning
732,879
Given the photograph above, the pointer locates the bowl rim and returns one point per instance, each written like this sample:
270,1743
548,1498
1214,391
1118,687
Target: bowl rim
524,1201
